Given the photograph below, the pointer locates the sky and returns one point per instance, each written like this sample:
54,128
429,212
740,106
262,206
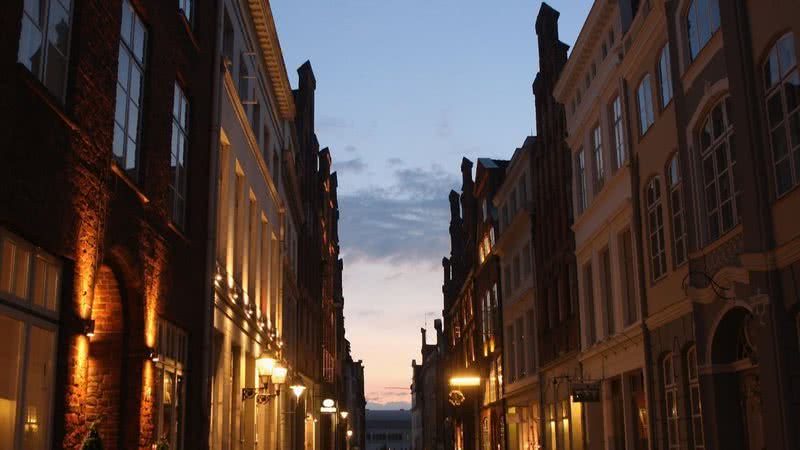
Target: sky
405,89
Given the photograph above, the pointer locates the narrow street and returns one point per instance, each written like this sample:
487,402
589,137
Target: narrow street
378,225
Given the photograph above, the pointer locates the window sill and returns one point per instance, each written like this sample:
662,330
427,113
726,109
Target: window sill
189,31
39,90
125,179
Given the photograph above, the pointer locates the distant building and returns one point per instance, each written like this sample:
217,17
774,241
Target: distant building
388,430
427,400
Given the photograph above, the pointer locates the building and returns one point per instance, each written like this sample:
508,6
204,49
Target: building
514,248
554,245
606,226
354,402
388,430
104,220
427,401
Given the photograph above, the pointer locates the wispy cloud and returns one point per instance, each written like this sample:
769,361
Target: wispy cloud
394,162
350,148
355,165
404,222
326,122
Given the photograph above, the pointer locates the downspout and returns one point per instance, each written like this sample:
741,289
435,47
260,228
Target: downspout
211,240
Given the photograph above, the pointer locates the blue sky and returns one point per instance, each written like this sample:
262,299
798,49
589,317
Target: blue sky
404,90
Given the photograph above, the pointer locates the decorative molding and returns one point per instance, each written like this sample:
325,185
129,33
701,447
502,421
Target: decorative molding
671,313
777,258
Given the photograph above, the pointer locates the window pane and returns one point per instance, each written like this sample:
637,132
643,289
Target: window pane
38,388
794,129
6,266
39,282
30,45
51,288
775,109
792,88
10,358
167,404
127,23
34,10
786,54
22,264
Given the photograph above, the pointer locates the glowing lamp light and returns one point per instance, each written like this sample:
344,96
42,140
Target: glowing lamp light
465,381
328,406
349,433
88,327
344,414
265,366
279,374
152,355
297,389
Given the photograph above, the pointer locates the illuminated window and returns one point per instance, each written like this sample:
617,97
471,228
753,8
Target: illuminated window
702,22
782,84
44,42
655,228
718,163
173,349
28,276
130,84
179,148
676,207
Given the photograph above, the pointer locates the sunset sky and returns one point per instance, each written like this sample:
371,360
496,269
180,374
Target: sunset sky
404,90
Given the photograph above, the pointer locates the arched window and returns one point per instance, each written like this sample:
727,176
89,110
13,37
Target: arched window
664,77
655,228
695,405
676,207
718,160
702,21
782,86
670,400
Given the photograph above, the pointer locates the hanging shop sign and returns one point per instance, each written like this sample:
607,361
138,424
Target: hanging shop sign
585,392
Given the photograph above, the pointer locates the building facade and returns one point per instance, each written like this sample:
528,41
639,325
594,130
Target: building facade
427,401
165,207
104,219
388,430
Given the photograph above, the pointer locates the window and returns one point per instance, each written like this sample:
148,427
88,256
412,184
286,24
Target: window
180,146
645,100
782,84
676,206
655,228
702,22
130,82
588,294
532,348
608,295
520,338
597,151
670,401
173,351
227,39
619,131
580,164
31,279
44,42
695,405
664,77
185,7
631,310
718,162
512,356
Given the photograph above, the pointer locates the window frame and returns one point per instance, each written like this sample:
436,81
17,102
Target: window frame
670,389
674,178
778,89
693,387
580,166
644,99
141,65
655,229
27,301
710,151
665,77
596,138
173,350
697,43
618,132
178,186
187,12
43,29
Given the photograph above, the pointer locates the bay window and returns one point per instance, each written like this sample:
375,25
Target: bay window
782,85
44,42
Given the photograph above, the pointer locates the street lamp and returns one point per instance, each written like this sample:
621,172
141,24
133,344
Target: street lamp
343,414
297,388
271,375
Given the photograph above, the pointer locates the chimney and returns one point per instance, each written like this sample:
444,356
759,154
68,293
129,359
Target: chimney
424,341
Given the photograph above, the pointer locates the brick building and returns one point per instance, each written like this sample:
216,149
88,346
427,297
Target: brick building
104,215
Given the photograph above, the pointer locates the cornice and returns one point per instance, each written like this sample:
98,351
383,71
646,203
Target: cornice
267,35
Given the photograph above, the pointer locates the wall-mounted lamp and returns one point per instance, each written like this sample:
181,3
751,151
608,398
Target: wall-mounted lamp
344,414
151,353
270,374
88,327
297,388
349,434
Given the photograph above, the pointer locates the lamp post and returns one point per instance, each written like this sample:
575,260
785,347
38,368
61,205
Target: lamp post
271,375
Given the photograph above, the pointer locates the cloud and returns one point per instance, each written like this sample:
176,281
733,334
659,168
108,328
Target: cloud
355,165
405,222
365,313
395,162
324,122
350,148
388,406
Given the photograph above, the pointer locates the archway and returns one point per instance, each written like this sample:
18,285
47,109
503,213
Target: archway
104,394
737,385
